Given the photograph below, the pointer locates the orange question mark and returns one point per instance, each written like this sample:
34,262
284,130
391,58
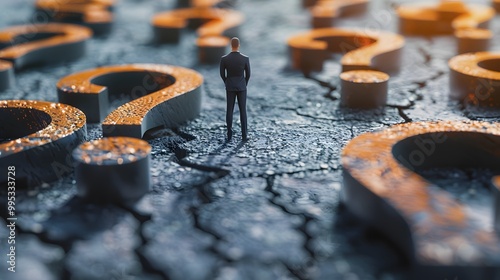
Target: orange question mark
214,27
162,95
95,14
468,23
40,44
475,78
361,51
439,237
325,12
37,139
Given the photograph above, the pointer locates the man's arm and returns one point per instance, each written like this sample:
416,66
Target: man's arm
247,70
222,70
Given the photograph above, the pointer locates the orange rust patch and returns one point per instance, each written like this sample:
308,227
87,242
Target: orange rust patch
112,150
65,120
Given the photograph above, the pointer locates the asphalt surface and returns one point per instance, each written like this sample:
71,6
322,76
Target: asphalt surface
268,208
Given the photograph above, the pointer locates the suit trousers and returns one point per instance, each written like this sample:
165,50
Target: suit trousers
242,104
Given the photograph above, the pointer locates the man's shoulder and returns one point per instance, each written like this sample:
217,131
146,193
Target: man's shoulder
245,56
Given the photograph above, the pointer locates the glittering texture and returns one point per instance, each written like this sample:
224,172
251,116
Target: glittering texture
112,150
441,232
64,34
364,76
361,48
64,121
168,106
216,21
44,154
113,169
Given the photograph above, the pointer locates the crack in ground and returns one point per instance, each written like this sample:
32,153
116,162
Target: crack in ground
203,192
301,272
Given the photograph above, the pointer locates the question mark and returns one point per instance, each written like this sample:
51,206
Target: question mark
162,95
475,77
436,233
95,14
466,22
361,50
41,44
36,139
215,25
325,12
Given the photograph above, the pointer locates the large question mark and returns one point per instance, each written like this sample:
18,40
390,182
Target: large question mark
362,50
468,23
475,78
325,12
163,95
214,27
36,137
96,14
41,44
437,235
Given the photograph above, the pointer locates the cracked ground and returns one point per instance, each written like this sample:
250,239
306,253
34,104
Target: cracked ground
266,209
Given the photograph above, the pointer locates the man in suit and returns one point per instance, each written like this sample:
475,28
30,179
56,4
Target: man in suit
235,72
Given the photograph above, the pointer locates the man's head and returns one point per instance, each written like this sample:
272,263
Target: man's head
235,43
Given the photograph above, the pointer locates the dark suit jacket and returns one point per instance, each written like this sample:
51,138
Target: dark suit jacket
235,71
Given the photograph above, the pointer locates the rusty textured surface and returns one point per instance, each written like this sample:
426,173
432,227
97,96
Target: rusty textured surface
361,49
44,132
363,89
68,43
112,151
324,12
113,169
95,14
474,78
427,223
266,209
176,100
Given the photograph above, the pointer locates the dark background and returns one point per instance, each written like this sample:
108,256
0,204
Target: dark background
265,209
